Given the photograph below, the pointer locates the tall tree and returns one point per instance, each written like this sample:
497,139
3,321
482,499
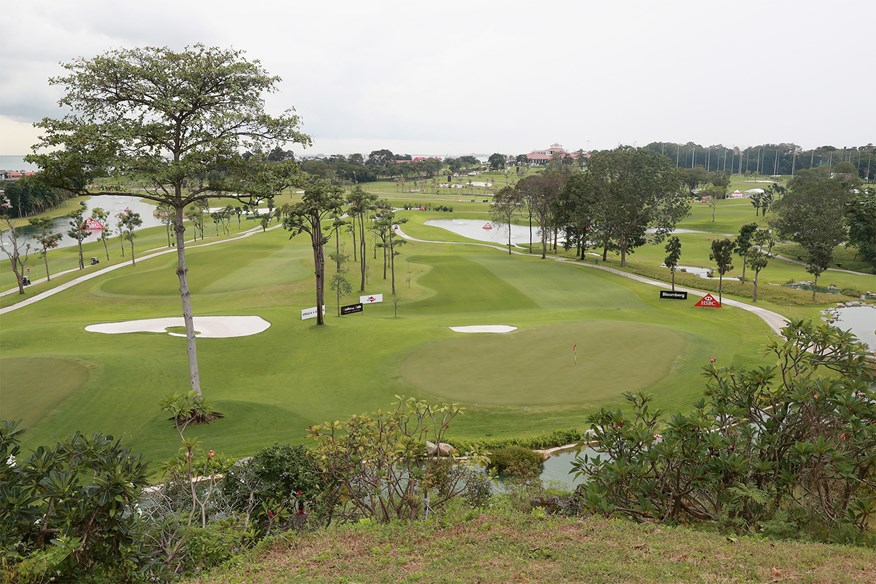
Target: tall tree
78,232
744,242
320,202
383,225
673,248
637,190
129,221
576,211
506,204
360,205
861,217
47,237
722,255
541,192
758,255
15,249
173,123
102,216
496,161
812,214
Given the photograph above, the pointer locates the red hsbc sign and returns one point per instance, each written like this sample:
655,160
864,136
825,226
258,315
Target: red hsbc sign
709,301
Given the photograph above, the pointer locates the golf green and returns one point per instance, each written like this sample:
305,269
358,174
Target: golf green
539,367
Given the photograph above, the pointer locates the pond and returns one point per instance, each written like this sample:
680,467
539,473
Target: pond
860,320
489,231
112,204
556,471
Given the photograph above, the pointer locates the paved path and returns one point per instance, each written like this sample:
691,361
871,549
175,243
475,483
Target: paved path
773,319
102,271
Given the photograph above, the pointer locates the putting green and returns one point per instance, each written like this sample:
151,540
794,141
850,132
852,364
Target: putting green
537,367
34,386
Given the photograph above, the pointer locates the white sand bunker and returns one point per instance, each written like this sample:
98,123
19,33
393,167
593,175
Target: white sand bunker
489,328
207,327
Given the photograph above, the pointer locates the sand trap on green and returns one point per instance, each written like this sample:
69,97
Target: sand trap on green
537,367
485,328
34,386
208,327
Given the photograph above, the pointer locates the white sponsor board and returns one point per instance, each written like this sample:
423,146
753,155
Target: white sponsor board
371,299
311,312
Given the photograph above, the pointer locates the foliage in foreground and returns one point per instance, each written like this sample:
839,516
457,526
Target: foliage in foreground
66,511
786,450
380,466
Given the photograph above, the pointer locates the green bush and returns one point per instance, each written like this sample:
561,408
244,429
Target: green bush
515,461
788,449
66,512
275,484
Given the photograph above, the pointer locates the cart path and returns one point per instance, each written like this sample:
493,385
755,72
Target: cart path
102,271
773,319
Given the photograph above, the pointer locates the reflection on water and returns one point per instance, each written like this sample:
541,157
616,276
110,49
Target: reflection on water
487,230
860,320
556,472
112,204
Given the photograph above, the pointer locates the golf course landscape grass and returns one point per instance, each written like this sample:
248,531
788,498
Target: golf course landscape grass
270,386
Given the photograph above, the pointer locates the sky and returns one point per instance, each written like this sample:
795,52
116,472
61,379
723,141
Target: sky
475,77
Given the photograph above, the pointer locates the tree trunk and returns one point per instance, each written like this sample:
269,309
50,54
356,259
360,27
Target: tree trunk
355,241
530,232
362,249
814,287
509,237
623,252
720,287
318,270
744,263
133,259
81,261
104,249
673,279
185,295
754,290
46,260
392,259
544,243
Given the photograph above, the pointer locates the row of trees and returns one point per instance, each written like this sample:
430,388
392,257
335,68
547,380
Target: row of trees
824,208
27,197
319,215
613,204
768,159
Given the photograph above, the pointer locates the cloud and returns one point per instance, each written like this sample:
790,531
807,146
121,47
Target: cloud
486,76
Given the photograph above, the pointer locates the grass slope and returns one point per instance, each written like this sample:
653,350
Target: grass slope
514,547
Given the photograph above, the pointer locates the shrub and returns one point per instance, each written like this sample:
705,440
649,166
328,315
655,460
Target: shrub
779,450
275,485
378,464
516,461
66,510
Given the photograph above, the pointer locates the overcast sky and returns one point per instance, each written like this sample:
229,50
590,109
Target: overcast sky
459,77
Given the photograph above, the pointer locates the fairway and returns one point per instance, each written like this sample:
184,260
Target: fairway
272,385
538,367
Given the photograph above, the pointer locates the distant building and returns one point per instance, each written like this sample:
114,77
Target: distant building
13,175
543,157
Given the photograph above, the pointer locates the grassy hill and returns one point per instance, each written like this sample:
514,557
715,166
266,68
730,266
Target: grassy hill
510,546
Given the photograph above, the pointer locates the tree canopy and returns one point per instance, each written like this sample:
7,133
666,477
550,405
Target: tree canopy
636,189
173,124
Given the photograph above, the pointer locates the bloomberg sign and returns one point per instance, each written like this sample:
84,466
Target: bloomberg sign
672,295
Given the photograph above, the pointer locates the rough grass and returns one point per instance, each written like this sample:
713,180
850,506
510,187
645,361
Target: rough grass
513,547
